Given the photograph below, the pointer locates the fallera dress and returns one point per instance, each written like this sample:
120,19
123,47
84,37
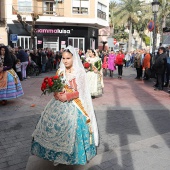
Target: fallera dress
62,134
95,80
10,85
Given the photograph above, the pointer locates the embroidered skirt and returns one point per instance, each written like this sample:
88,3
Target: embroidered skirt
62,135
95,84
13,90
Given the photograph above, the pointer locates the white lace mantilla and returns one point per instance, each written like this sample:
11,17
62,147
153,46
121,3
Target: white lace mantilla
56,129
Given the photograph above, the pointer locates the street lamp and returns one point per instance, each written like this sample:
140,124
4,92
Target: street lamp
155,9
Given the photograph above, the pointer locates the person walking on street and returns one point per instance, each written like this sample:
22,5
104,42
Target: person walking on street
67,131
111,62
146,65
43,60
119,62
23,57
137,65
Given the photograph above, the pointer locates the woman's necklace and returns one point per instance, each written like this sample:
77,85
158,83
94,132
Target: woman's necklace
69,70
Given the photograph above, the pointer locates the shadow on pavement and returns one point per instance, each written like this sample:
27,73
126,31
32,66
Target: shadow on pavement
160,119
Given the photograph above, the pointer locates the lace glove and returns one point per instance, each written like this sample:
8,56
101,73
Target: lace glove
72,95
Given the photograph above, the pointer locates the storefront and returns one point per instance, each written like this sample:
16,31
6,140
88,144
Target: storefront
56,37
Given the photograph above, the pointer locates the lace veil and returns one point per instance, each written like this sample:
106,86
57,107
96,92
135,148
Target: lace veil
83,89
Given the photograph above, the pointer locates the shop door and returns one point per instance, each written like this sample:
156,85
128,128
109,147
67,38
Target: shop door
51,42
92,43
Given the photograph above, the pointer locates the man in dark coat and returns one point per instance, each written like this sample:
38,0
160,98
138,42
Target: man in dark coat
43,60
160,66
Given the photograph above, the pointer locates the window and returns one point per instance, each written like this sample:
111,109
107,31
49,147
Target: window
25,42
80,6
76,42
101,11
49,7
25,6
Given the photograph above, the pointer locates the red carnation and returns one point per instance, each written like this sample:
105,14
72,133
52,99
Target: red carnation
50,80
50,83
86,65
56,77
46,79
43,86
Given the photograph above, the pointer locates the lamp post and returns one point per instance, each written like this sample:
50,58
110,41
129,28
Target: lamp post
155,9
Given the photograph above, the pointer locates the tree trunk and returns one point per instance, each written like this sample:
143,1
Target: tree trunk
163,25
130,36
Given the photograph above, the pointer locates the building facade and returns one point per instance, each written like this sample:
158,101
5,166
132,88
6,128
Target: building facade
58,22
3,28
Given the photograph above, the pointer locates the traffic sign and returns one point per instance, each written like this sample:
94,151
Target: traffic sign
151,25
14,37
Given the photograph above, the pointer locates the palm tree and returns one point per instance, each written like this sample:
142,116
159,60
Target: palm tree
162,15
128,12
112,8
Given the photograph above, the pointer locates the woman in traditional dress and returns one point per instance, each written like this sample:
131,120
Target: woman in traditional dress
10,86
94,75
111,62
67,130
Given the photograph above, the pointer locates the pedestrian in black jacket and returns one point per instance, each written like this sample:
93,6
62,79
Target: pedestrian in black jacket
160,66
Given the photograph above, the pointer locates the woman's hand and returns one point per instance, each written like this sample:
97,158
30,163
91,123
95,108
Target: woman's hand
60,96
56,95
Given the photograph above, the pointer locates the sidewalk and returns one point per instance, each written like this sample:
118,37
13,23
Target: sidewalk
133,121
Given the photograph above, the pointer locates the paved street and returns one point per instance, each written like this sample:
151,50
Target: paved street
133,121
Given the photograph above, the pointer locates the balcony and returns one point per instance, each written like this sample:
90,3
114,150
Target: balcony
37,10
101,14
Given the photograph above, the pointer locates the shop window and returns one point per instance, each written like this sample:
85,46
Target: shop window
70,42
25,42
25,6
76,42
49,7
81,44
80,6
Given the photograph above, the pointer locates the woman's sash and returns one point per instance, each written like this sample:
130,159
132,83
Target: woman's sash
79,105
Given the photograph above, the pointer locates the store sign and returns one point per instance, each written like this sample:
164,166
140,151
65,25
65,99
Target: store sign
39,42
53,31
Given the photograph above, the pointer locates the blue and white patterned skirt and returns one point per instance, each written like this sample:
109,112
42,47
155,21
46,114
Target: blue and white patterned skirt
83,150
13,90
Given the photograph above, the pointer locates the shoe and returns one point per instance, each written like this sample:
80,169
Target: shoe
120,77
4,102
166,85
158,89
155,85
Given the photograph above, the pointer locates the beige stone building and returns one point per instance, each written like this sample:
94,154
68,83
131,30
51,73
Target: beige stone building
3,28
58,22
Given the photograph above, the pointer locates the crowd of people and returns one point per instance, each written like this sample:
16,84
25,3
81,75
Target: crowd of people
102,63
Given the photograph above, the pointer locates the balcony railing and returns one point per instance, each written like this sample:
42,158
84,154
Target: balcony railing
101,14
37,10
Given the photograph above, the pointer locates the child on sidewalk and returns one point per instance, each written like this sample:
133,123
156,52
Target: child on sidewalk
18,69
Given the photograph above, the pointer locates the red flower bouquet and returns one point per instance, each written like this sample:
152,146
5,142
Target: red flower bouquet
53,84
86,65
